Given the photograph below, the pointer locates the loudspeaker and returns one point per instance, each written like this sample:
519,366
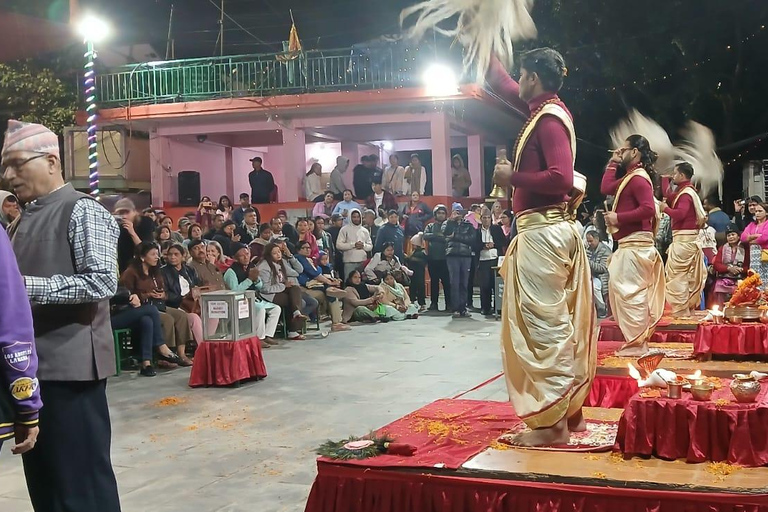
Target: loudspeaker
189,188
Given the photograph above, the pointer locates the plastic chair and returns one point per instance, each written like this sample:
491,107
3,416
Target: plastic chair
123,341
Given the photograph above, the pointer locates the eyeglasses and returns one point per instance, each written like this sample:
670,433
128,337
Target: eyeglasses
17,166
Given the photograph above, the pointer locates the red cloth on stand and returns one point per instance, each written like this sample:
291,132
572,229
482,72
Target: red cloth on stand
729,339
448,432
697,431
339,488
611,391
222,363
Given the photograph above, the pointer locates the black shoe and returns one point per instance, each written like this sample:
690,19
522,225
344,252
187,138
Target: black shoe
485,313
148,371
465,314
433,307
170,358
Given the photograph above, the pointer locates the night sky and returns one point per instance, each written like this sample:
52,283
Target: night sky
321,24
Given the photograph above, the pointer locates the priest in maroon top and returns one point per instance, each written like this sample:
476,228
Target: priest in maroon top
636,270
686,270
549,322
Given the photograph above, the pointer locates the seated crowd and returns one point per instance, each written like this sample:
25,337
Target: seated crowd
351,261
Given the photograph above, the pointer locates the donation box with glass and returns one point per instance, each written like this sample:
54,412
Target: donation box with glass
228,315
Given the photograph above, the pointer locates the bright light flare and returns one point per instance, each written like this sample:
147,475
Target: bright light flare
93,28
440,80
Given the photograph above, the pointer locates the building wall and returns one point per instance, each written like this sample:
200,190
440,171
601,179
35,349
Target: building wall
207,159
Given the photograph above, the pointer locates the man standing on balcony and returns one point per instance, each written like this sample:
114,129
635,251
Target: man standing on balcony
262,183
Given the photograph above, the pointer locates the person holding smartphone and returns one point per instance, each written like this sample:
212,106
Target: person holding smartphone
134,229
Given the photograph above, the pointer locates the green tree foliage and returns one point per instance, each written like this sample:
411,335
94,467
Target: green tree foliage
34,93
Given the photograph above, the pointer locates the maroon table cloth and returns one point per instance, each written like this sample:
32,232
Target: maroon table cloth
611,391
609,331
728,339
340,488
697,431
223,363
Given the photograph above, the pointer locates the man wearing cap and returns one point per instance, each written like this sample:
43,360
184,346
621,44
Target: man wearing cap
436,264
460,236
65,246
262,182
134,229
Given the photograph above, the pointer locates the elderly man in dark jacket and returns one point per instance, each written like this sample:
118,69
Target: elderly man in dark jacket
461,236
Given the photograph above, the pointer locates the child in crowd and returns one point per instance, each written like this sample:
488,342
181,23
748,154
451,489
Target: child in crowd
417,262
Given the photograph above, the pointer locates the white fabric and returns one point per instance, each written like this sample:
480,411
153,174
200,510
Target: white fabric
184,284
378,199
267,319
313,186
487,254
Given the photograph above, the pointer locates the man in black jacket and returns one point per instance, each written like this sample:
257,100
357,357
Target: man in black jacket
262,183
490,238
438,268
461,237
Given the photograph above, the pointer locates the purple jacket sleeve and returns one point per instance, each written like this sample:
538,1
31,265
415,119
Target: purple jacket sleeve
18,357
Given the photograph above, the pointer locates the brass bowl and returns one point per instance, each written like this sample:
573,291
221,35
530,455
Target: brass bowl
747,313
702,392
736,320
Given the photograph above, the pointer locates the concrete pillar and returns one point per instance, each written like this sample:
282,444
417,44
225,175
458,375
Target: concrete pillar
476,164
293,158
160,179
440,133
229,175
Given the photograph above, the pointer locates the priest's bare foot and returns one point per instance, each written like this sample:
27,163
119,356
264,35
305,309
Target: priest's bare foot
576,422
556,434
633,350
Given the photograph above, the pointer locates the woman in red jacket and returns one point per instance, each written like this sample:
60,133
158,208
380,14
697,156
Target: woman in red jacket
731,264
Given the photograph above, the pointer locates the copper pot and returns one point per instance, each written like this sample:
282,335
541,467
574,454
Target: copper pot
744,388
736,320
764,316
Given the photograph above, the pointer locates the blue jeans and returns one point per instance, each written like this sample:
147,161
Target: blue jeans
146,321
458,270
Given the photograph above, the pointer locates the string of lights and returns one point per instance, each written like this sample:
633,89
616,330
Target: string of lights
89,83
744,152
666,76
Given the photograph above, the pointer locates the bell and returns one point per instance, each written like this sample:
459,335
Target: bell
497,193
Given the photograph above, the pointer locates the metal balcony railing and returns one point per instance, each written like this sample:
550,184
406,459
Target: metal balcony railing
387,67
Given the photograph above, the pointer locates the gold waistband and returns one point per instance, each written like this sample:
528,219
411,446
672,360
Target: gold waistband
638,239
530,219
685,235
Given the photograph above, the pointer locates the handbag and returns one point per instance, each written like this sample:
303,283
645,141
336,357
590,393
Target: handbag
158,303
764,255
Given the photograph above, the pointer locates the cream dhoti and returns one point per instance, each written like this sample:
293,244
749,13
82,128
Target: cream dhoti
549,327
686,273
636,287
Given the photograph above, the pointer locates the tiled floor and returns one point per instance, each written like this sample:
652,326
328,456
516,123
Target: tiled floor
251,448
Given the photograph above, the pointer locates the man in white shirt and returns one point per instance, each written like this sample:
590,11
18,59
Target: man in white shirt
490,238
354,242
